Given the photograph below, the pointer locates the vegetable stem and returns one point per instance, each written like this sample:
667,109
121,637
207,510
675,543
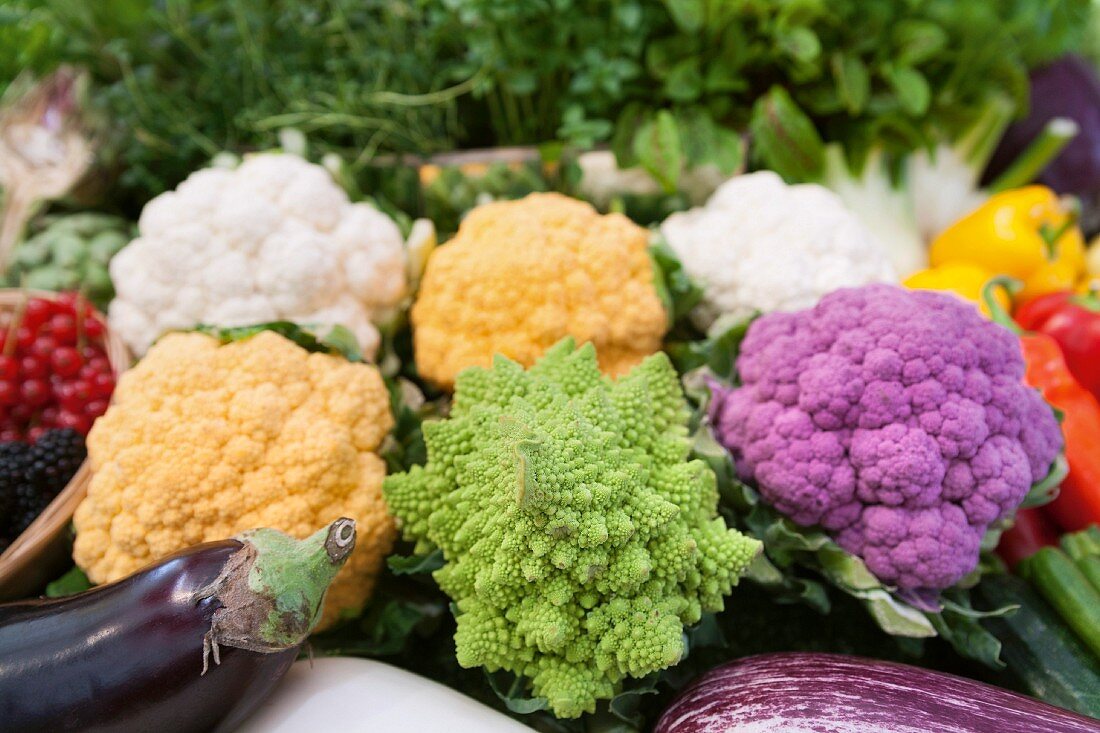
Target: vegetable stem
1065,587
1051,235
997,313
1084,548
1043,149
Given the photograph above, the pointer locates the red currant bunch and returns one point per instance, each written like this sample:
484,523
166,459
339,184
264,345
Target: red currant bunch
54,372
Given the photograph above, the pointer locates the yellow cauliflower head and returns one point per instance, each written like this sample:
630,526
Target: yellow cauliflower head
204,441
521,275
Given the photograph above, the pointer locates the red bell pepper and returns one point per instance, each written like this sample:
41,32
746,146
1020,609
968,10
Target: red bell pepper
1073,320
1078,502
1030,531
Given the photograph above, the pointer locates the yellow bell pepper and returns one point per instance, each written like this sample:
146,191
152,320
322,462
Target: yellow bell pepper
1026,233
1092,266
961,278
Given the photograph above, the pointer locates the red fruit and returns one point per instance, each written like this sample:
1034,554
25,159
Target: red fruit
63,328
103,385
8,435
95,408
38,311
49,415
101,365
70,397
36,432
65,361
35,392
9,392
25,337
74,420
68,299
93,328
9,368
33,368
21,412
43,346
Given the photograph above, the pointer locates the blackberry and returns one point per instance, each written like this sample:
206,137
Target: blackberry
31,475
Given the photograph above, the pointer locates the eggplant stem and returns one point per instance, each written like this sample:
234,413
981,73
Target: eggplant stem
210,646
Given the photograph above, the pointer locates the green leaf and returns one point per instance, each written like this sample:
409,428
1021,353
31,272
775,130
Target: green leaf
335,340
404,447
727,150
707,142
685,81
845,569
853,82
918,41
658,149
341,340
960,626
800,43
717,353
71,583
678,292
415,564
895,617
912,89
1046,490
622,141
624,706
689,15
785,139
512,692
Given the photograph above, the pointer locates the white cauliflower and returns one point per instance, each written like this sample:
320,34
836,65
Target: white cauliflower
274,239
762,245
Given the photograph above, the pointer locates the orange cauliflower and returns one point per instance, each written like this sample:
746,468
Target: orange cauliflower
205,440
521,275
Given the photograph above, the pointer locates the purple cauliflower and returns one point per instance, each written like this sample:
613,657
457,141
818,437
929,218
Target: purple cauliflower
896,420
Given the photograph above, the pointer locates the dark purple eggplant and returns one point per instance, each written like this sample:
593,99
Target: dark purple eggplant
191,643
1067,88
833,693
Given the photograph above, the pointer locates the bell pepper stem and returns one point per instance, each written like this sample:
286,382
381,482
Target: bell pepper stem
997,313
1051,235
1046,146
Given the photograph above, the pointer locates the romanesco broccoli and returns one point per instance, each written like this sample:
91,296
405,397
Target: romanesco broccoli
578,537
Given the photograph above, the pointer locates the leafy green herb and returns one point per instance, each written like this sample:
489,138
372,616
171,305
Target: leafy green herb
670,83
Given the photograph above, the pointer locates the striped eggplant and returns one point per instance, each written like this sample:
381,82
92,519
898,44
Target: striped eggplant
190,644
832,693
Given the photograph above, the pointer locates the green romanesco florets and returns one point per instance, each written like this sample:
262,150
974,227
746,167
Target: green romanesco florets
579,539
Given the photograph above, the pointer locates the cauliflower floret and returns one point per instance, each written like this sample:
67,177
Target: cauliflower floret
275,239
520,275
759,245
896,420
579,539
203,441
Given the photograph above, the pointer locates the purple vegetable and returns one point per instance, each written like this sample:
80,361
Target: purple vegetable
1068,88
897,420
832,693
192,643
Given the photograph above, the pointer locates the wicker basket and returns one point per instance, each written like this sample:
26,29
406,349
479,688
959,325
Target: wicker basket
40,553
